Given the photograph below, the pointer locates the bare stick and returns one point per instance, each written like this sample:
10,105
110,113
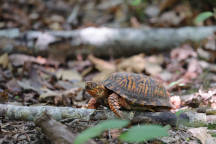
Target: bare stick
55,131
59,113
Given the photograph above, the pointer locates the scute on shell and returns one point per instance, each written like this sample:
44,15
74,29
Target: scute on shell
138,89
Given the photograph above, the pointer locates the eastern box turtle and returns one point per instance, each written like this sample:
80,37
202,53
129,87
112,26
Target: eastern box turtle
130,91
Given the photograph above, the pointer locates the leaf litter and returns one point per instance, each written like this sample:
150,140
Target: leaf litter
188,71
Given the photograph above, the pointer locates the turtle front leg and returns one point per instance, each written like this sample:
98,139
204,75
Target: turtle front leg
113,101
92,103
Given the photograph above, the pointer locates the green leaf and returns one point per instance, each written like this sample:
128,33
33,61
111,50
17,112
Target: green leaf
98,129
135,2
179,112
203,16
175,83
144,133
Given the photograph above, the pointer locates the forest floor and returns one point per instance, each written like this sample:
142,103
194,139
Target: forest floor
47,77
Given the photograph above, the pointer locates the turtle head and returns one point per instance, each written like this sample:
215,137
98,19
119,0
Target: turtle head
96,89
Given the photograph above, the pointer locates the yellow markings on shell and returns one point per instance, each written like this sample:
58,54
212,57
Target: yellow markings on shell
122,82
156,90
129,83
134,86
146,88
161,91
139,89
143,87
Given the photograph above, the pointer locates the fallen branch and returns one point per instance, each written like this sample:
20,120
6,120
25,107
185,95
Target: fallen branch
56,132
121,41
30,113
59,113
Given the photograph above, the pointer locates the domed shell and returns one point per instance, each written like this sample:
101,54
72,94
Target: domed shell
138,89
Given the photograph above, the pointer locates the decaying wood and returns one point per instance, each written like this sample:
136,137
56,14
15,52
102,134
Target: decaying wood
59,113
117,42
56,132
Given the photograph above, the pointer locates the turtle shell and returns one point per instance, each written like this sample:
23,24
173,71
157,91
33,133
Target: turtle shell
138,89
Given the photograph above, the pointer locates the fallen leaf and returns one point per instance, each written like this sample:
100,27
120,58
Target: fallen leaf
70,75
19,60
132,64
166,4
153,64
193,71
202,135
170,18
60,97
182,53
115,133
202,97
102,65
3,96
152,68
4,60
13,86
211,43
101,76
165,75
30,85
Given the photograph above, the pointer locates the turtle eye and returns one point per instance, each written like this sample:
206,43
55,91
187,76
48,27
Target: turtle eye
90,85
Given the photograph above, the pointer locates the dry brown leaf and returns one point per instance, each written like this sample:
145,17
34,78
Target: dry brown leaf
153,69
115,133
4,60
102,65
13,86
139,63
211,43
193,71
166,4
153,64
182,53
101,76
3,96
165,75
202,97
134,22
60,97
20,59
132,64
202,135
70,75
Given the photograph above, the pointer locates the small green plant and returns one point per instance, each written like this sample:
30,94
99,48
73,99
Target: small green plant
174,83
181,121
134,134
135,2
98,129
203,16
143,133
212,126
178,113
17,97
